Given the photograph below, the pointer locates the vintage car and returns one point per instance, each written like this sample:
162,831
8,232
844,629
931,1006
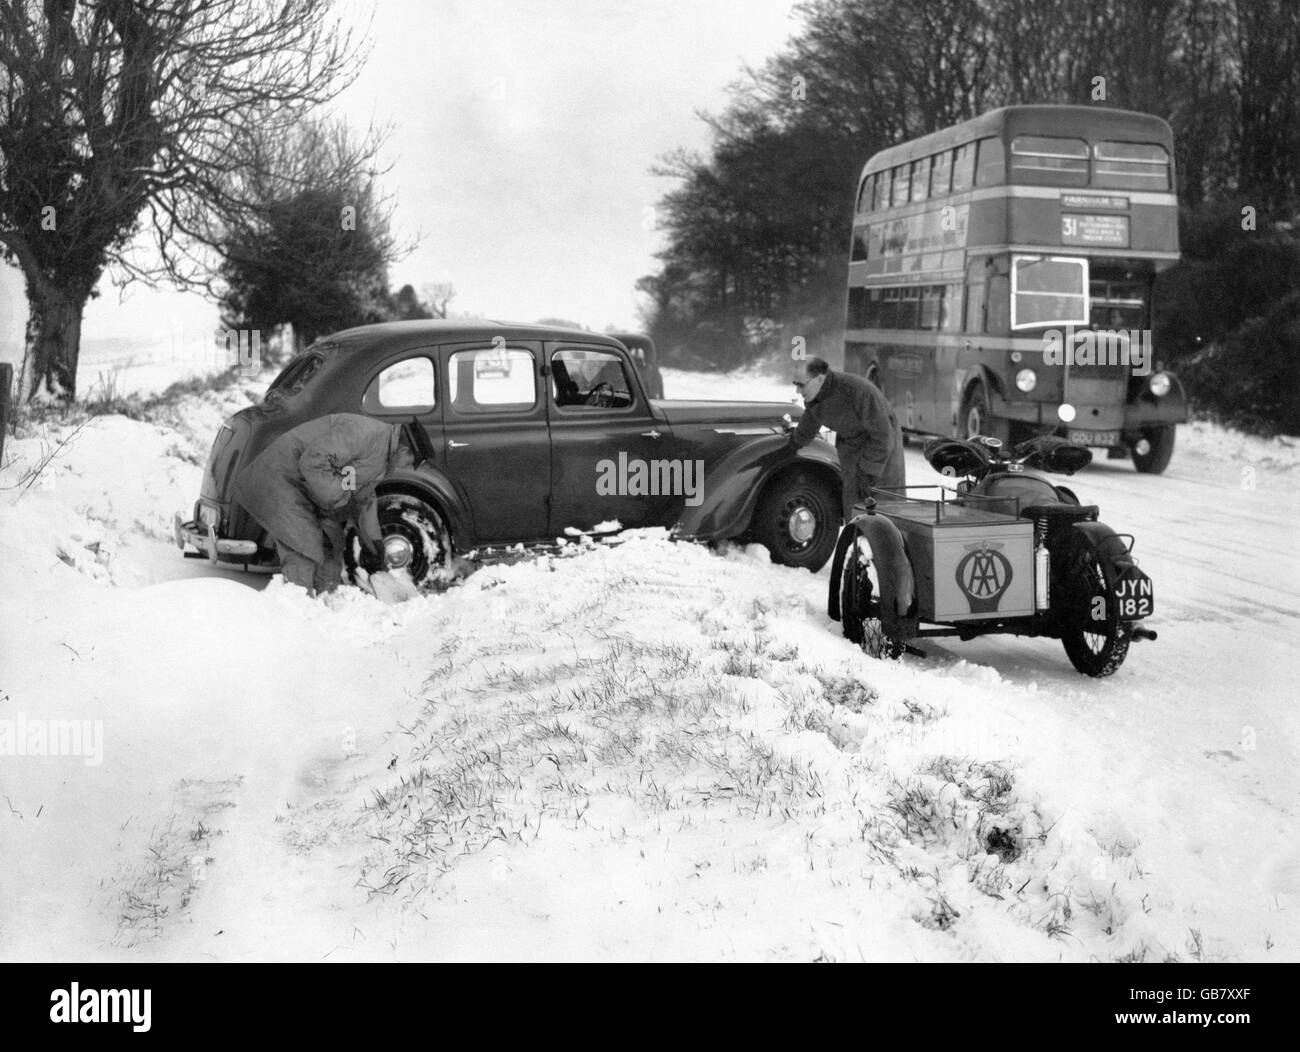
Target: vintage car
563,440
646,360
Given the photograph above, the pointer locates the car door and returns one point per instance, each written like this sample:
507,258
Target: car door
497,449
607,450
402,388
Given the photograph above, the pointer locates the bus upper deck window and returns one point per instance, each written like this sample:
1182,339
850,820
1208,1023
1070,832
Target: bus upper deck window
901,186
963,167
1049,160
880,196
941,174
1130,166
990,164
864,195
920,178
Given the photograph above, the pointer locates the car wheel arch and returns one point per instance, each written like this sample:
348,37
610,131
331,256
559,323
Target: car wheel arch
820,470
440,495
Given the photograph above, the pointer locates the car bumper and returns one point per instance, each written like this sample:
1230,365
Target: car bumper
218,550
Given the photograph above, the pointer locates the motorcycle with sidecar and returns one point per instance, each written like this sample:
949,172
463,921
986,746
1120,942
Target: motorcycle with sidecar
1005,551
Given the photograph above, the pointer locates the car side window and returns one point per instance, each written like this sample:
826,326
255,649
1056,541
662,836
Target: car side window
495,379
405,387
582,380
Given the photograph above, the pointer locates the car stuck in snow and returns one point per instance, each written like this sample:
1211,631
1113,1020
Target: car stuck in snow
555,436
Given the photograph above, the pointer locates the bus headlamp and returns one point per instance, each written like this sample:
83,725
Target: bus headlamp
1026,380
1065,411
1159,384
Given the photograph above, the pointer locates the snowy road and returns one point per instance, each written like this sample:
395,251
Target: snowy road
647,751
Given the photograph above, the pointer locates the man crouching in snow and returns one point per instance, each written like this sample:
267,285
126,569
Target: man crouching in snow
310,482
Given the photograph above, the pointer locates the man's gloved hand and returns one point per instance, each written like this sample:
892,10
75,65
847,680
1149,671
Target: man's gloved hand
368,527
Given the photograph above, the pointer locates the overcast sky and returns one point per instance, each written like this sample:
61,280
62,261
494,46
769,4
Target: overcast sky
523,135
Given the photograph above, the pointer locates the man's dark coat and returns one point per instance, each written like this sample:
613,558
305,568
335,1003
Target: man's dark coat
324,469
867,436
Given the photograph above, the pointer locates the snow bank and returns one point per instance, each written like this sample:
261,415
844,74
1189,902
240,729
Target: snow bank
636,751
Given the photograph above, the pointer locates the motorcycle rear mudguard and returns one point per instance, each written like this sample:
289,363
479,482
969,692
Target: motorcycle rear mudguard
893,571
1117,562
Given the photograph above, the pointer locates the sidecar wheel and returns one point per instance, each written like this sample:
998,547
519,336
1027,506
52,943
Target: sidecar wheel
1095,646
860,604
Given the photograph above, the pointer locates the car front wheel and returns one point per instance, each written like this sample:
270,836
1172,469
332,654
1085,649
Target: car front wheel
798,520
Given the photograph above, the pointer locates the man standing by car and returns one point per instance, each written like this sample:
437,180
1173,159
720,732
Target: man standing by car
867,436
313,480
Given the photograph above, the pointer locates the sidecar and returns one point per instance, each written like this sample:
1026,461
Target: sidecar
1019,556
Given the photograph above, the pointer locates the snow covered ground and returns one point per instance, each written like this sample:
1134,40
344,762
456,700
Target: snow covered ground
641,751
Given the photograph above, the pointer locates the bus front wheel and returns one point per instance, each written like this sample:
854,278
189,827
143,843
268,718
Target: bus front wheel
977,415
1153,451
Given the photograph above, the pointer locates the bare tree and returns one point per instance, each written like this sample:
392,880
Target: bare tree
115,113
438,297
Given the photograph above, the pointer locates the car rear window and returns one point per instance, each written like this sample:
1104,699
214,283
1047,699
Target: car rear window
297,374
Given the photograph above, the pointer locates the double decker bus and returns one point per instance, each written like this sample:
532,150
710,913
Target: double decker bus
1000,279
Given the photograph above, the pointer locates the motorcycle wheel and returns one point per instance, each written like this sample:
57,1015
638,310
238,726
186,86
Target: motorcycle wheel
860,604
1096,646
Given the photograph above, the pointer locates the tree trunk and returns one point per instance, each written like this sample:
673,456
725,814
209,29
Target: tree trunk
6,382
53,344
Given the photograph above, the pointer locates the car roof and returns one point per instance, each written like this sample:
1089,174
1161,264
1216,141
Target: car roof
388,334
629,339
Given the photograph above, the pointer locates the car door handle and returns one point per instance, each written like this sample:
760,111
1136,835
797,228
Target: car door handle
456,445
649,434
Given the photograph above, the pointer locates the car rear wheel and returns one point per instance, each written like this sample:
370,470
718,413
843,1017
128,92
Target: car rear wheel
416,543
798,521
